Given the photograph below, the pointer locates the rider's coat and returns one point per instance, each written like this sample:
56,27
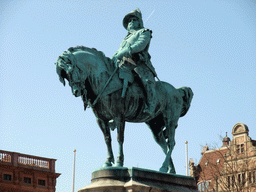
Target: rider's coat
138,42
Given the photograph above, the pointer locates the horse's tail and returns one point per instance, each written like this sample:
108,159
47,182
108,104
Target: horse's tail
187,97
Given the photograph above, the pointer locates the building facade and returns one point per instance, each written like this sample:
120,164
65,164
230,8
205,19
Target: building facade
231,167
26,173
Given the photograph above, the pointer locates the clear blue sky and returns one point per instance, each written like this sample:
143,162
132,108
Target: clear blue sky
208,45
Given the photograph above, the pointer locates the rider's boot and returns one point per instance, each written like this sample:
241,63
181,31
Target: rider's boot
151,97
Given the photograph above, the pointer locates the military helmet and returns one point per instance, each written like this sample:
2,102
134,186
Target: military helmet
135,13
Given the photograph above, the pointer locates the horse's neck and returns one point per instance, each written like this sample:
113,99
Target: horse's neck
97,81
97,72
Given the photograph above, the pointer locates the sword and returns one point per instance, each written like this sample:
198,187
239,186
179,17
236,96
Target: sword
133,63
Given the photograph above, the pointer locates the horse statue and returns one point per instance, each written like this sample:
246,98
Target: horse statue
87,71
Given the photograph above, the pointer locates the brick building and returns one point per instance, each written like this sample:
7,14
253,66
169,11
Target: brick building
26,173
231,167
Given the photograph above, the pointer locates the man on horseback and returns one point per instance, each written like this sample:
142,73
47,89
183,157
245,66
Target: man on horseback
87,72
135,47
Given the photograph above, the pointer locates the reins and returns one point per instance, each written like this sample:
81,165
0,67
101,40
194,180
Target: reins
95,101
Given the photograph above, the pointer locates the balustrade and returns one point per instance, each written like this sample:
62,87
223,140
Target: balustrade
26,160
5,157
34,162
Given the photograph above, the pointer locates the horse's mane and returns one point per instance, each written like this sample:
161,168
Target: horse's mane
99,54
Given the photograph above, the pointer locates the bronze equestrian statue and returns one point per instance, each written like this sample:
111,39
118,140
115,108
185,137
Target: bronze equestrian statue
100,82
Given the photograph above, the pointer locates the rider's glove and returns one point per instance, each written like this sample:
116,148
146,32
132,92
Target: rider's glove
125,52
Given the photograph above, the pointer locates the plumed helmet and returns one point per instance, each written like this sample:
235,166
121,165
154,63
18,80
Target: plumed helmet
135,13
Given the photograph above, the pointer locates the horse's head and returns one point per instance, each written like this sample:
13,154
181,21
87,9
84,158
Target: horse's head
86,69
67,68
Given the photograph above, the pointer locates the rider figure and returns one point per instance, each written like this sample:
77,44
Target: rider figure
135,46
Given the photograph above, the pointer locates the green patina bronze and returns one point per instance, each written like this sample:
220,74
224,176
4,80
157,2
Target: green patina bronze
123,89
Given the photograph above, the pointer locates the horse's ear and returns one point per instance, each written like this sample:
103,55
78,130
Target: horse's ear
71,49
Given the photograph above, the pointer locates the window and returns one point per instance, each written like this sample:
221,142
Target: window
206,185
200,187
228,181
41,182
250,177
233,181
27,180
241,178
203,186
240,148
7,177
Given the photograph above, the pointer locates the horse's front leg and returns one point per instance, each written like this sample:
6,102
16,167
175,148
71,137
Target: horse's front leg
107,136
120,138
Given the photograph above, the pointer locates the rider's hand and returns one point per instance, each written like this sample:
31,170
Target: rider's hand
125,52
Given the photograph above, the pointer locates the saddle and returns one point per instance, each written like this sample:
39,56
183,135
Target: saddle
126,74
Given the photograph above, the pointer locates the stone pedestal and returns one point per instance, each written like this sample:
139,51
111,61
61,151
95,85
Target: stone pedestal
138,180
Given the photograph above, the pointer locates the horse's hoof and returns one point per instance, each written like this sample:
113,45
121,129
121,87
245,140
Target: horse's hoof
119,164
163,169
107,165
172,171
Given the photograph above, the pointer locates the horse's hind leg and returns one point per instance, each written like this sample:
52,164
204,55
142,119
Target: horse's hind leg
168,165
120,138
107,136
156,126
171,143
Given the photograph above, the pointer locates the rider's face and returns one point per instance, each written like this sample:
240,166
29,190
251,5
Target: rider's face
133,23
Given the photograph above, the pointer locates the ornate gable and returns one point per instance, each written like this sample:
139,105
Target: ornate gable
240,128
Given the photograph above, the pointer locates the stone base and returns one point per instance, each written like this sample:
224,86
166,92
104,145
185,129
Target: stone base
135,179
